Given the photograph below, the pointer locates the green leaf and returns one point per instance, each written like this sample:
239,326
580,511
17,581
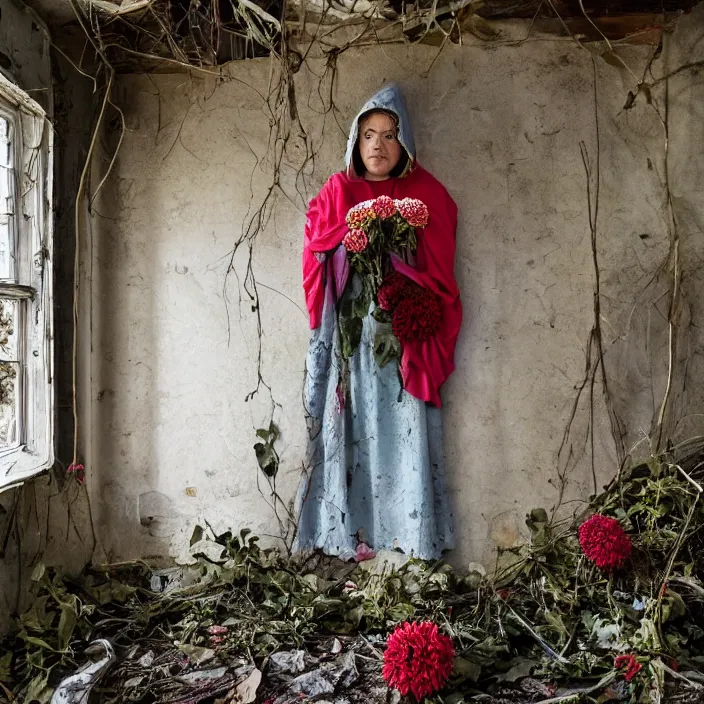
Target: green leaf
38,690
67,624
466,669
5,666
473,580
554,619
520,667
31,640
401,612
354,307
381,316
35,658
386,345
655,466
672,606
112,591
268,458
37,618
354,616
538,524
196,654
454,698
311,580
350,334
647,635
38,572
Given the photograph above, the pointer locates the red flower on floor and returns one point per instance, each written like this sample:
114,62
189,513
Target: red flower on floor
418,659
604,542
417,315
629,664
391,290
384,207
355,241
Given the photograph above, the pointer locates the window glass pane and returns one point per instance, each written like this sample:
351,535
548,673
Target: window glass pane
9,403
9,323
7,208
9,372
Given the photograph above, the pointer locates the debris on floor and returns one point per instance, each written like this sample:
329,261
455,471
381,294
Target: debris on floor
606,607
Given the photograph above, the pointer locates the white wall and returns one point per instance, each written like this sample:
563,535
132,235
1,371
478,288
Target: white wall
173,346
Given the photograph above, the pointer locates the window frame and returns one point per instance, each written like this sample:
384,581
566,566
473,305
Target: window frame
32,284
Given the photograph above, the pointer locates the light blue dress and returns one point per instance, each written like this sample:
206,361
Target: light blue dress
376,471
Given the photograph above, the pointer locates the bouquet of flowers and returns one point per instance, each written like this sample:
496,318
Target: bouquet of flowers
381,227
405,310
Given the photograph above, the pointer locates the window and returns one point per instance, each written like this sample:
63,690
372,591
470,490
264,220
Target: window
26,392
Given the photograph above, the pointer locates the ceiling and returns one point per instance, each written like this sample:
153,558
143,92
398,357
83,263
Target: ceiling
641,20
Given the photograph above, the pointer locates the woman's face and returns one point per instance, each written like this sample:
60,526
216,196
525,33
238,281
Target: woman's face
378,145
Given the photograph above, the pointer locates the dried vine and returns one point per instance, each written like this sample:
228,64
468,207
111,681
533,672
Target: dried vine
660,436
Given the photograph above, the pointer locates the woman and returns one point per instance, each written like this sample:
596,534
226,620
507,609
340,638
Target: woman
376,469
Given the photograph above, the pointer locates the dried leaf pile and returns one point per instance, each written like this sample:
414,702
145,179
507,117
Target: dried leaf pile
245,624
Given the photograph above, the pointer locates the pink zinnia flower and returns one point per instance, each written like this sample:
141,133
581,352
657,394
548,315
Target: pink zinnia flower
418,659
359,214
217,630
384,207
364,552
78,471
355,241
604,542
414,211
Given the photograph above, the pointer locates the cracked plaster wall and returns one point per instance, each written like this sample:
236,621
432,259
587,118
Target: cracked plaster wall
170,434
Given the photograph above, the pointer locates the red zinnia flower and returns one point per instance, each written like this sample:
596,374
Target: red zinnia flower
384,207
391,290
604,542
418,659
414,211
355,241
417,315
628,663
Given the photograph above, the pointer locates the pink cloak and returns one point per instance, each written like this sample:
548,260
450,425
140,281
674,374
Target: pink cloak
424,365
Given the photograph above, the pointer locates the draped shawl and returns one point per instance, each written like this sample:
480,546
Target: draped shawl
424,365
